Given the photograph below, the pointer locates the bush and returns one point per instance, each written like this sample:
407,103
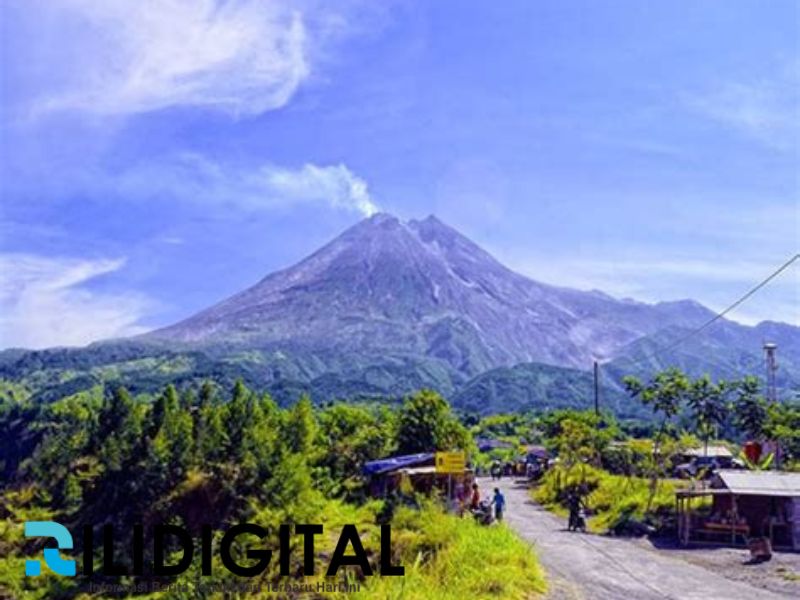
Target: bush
616,503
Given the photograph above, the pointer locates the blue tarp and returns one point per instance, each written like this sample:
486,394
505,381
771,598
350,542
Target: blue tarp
386,465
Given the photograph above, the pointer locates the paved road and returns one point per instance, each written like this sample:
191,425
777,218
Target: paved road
593,567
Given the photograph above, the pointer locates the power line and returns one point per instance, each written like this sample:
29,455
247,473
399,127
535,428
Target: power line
719,315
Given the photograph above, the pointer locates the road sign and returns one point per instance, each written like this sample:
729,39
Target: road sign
451,462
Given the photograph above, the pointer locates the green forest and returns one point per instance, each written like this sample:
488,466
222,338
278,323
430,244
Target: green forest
205,456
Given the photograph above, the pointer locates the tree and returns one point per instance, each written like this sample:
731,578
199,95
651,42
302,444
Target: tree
664,394
349,436
166,402
188,399
211,440
208,394
173,443
750,414
576,444
301,427
120,429
709,409
783,426
604,427
425,423
209,429
238,413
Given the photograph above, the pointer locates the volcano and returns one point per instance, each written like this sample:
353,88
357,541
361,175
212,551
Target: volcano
420,288
390,306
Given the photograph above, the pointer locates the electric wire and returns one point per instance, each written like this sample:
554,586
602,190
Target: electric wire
716,317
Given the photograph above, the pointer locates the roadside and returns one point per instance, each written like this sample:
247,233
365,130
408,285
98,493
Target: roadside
592,567
780,575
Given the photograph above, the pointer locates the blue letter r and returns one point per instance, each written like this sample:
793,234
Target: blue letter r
51,557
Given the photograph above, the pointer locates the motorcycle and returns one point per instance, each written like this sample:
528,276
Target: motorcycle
577,521
483,513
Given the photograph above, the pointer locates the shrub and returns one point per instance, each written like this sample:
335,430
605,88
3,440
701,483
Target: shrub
616,503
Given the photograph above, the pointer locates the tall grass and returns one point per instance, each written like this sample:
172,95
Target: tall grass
445,557
448,558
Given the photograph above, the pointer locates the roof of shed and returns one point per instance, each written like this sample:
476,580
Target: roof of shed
760,483
387,465
713,450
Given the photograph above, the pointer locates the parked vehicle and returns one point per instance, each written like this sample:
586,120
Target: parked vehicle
699,467
700,462
483,513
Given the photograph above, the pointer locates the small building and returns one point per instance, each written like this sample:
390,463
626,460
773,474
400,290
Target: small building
743,505
705,461
387,474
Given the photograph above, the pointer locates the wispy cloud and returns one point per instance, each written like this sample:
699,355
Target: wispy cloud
119,58
241,56
44,302
767,110
194,178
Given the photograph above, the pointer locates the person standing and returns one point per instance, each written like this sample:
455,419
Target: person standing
476,497
575,504
499,502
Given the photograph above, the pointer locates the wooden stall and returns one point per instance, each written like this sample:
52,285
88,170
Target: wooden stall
743,505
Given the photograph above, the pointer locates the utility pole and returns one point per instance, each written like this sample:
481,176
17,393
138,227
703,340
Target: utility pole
772,367
772,389
596,390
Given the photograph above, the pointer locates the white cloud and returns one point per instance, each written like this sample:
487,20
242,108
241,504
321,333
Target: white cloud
194,178
767,110
124,57
44,302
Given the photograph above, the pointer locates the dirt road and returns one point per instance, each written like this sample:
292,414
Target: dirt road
593,567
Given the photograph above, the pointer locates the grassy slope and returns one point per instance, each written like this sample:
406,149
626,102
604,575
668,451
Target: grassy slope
445,557
448,558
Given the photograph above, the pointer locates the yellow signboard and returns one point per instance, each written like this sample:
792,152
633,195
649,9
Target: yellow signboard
451,462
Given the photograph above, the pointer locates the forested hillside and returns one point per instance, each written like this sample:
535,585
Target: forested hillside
209,457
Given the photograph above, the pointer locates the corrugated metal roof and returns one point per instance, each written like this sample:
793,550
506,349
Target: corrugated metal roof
386,465
713,450
761,483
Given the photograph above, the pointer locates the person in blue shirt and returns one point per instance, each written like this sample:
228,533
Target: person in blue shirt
499,502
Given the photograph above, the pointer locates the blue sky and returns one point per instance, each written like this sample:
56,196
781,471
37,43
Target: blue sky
159,156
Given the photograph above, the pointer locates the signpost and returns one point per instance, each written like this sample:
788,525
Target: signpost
450,463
